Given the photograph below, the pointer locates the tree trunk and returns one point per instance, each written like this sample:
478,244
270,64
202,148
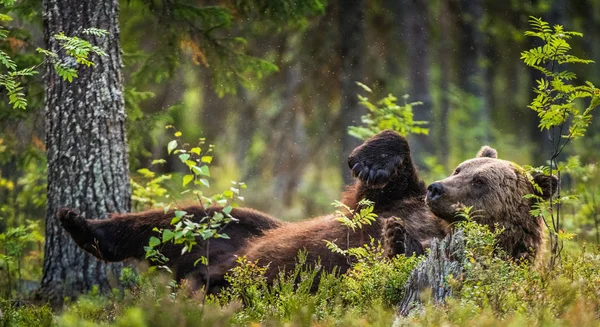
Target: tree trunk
246,126
414,16
444,51
352,45
473,73
86,146
289,136
446,258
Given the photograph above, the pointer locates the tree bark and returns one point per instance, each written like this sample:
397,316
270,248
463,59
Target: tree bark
446,258
290,137
86,146
473,73
444,51
414,15
352,45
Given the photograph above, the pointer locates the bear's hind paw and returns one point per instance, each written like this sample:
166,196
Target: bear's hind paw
72,221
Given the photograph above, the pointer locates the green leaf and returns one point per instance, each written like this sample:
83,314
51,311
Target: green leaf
167,235
146,172
201,170
171,146
202,260
227,210
187,179
196,150
154,241
184,157
159,161
180,213
207,159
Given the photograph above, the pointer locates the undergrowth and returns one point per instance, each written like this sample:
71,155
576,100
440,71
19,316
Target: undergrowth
493,291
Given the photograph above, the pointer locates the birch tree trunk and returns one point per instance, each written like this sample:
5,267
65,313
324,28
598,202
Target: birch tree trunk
86,146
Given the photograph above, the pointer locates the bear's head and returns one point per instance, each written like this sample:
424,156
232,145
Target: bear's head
496,190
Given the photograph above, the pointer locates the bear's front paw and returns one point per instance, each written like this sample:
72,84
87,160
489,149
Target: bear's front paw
375,171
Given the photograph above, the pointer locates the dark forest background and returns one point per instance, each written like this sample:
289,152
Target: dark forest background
281,124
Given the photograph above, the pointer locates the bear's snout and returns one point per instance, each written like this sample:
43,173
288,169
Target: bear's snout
435,191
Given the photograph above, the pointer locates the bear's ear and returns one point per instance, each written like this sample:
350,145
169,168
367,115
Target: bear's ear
548,184
487,152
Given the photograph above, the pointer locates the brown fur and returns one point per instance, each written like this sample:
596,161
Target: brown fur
495,189
387,176
124,236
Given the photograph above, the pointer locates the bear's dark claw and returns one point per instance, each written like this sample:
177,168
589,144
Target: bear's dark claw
357,168
364,174
382,176
371,178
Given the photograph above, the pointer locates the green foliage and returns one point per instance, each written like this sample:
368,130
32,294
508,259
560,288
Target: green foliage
204,34
281,11
585,216
12,314
148,190
387,114
352,218
373,282
186,230
13,243
74,47
21,241
557,104
556,100
497,291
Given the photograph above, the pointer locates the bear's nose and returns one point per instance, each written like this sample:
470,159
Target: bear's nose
435,191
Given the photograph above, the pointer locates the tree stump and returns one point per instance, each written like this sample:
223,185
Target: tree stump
446,258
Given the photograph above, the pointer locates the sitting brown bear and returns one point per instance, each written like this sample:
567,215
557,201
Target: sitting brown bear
495,189
385,173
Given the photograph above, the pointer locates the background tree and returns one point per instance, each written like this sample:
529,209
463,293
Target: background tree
86,146
352,45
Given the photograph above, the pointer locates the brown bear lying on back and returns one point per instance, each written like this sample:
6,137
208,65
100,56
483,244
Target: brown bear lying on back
385,175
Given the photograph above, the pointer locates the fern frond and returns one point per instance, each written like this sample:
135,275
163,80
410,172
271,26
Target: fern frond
7,61
96,31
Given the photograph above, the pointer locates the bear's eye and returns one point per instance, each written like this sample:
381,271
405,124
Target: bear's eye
478,182
384,155
456,171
